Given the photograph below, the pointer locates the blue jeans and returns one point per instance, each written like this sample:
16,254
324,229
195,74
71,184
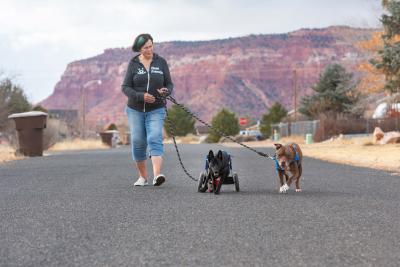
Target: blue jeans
146,132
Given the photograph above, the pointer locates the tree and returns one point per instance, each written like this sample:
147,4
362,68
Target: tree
182,122
335,94
12,100
388,60
372,80
274,115
226,122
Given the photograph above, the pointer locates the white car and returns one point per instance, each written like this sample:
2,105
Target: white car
255,133
382,109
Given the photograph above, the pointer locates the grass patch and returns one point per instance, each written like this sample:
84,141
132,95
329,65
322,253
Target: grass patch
7,153
78,144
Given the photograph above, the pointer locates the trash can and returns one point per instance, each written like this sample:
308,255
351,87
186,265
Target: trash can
128,138
109,137
29,126
309,139
276,135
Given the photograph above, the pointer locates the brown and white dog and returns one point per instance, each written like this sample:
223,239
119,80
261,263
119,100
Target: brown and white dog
288,159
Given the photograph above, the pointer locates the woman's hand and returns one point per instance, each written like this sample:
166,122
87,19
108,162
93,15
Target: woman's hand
148,98
163,91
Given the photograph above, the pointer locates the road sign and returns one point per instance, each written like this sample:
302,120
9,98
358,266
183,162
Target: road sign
242,121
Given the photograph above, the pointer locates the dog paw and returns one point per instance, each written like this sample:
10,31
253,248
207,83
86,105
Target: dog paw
284,188
298,190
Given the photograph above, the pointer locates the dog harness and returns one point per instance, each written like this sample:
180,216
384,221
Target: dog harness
296,156
277,167
296,159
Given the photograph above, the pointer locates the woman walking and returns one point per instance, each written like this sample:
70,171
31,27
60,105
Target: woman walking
147,77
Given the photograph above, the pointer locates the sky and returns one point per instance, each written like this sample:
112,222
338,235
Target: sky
38,38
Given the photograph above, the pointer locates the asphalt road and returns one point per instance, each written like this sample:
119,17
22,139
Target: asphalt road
80,209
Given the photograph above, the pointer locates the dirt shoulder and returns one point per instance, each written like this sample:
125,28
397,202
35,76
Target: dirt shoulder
7,153
356,151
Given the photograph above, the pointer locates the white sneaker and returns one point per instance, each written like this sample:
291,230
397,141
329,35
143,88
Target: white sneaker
159,180
141,182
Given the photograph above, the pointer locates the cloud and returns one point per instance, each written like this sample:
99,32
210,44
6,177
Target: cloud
56,32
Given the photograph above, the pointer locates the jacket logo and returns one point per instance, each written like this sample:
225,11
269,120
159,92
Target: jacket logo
141,71
156,70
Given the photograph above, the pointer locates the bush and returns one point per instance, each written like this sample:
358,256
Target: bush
40,108
329,127
12,100
112,126
51,133
275,115
182,122
226,122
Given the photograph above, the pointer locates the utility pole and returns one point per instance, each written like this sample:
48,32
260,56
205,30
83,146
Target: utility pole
83,112
83,105
295,93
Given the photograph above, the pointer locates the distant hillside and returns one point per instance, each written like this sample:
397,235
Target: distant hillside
246,74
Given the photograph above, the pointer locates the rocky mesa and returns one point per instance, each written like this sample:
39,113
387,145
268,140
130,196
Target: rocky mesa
246,74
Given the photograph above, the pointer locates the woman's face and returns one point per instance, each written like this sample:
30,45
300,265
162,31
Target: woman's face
147,49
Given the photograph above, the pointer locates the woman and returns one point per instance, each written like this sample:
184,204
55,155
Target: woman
146,78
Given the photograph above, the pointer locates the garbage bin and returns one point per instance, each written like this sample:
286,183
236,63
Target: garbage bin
309,139
108,137
276,136
128,138
29,126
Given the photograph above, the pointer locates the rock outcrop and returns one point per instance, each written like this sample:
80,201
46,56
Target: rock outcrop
246,74
379,137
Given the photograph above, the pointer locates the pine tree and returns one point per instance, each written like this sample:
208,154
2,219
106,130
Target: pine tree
335,93
389,57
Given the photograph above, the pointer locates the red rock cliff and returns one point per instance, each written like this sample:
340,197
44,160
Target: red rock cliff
246,74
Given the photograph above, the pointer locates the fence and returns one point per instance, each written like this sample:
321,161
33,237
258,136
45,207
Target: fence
295,128
326,128
331,127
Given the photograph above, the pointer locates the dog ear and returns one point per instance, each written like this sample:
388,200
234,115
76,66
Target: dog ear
210,155
277,146
219,155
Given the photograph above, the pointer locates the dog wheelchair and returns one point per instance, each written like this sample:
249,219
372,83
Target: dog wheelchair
213,184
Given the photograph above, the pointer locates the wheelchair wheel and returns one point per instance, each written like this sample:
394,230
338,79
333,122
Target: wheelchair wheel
236,180
202,185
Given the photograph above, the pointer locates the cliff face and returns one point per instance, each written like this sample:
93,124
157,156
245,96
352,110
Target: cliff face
246,74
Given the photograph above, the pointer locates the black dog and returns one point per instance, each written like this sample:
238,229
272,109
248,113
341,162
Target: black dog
218,170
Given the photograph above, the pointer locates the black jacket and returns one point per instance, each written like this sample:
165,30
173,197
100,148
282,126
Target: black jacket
138,81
